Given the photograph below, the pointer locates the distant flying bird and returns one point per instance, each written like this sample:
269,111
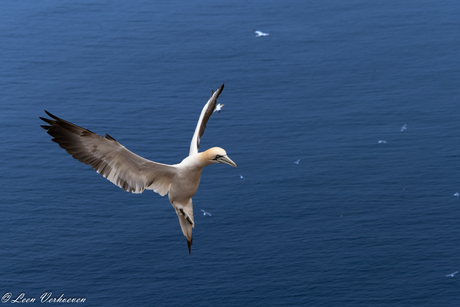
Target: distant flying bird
297,162
456,194
403,128
218,107
133,173
206,213
382,142
452,274
241,176
260,33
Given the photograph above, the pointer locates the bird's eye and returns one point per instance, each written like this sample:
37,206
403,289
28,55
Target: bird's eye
217,157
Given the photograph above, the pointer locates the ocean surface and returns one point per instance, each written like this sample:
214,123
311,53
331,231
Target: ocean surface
357,222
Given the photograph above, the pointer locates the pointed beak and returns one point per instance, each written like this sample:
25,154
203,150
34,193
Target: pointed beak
226,160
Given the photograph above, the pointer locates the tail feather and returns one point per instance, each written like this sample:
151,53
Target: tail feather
189,243
185,215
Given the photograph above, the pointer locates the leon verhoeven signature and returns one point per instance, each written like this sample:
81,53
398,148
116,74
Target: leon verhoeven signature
46,297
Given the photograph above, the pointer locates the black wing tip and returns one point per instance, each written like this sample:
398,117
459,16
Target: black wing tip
47,120
219,90
51,115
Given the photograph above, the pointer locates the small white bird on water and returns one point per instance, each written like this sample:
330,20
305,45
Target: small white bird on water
218,108
206,213
260,33
452,274
133,173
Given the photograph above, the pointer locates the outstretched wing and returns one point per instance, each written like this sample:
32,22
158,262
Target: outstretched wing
109,158
207,111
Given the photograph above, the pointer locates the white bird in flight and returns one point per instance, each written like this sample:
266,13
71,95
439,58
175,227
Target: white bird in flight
133,173
297,162
206,213
260,33
456,194
403,128
382,142
452,274
218,107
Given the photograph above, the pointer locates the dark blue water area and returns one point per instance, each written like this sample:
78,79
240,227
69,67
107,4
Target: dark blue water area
355,223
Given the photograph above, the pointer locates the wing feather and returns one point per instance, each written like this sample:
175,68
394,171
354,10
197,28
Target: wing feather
207,111
109,158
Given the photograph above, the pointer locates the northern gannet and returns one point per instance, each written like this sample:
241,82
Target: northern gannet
133,173
260,33
403,128
218,107
452,274
297,162
206,213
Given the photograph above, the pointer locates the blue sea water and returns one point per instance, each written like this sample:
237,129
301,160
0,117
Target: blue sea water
355,223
